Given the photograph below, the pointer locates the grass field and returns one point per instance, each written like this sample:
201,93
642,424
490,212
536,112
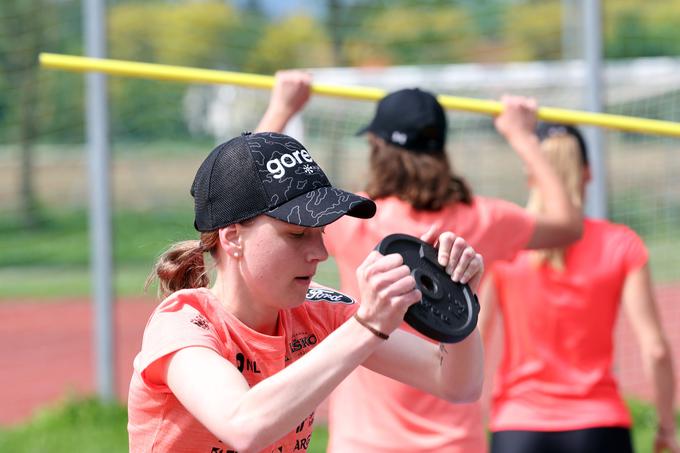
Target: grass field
53,260
86,425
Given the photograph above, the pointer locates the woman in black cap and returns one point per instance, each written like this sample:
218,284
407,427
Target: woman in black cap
554,389
241,365
412,184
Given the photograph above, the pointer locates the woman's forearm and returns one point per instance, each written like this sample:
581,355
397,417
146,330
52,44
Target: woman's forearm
560,209
298,389
461,374
660,369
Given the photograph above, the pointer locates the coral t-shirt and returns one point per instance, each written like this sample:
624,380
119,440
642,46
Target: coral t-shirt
157,421
556,369
369,412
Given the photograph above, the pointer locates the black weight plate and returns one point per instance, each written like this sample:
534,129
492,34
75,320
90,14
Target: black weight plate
448,311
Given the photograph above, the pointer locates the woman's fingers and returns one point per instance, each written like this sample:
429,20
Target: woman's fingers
387,276
450,250
385,262
475,272
457,253
292,89
387,289
460,260
368,261
467,255
430,236
519,115
407,299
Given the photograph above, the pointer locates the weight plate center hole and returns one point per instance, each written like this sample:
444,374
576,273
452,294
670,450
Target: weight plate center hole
427,284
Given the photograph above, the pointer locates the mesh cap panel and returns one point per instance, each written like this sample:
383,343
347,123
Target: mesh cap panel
230,190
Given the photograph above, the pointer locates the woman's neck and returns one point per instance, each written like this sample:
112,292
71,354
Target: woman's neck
242,304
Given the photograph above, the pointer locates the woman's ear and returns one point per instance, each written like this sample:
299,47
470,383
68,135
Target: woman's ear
587,175
230,241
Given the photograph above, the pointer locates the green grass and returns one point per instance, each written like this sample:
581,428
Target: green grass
78,425
62,239
645,424
50,282
53,260
89,426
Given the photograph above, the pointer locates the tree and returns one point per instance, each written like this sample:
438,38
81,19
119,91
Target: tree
413,35
22,28
634,29
297,41
532,31
198,34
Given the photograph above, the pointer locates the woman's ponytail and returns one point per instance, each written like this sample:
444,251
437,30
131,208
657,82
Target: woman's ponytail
182,266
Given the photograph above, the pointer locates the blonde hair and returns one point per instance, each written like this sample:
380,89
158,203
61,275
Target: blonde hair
422,179
183,266
563,152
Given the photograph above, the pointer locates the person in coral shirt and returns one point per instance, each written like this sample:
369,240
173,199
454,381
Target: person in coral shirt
555,390
411,182
241,364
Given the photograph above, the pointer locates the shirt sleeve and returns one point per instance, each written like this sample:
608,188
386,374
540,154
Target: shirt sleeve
513,228
169,331
635,254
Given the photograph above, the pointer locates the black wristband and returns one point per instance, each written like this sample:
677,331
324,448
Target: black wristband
374,331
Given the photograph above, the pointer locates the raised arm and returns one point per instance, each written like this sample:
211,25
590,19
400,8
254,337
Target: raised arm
640,307
562,222
290,94
454,372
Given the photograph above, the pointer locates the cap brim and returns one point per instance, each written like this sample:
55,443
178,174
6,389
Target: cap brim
322,206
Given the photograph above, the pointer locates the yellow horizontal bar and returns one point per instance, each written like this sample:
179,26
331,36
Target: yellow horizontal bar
195,75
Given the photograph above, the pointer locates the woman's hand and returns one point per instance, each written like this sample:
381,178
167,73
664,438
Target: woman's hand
518,119
292,89
387,289
461,261
666,442
291,92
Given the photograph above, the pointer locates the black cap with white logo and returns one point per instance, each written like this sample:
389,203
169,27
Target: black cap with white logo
272,174
412,119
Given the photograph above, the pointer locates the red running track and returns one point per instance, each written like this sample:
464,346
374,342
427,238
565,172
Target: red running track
46,350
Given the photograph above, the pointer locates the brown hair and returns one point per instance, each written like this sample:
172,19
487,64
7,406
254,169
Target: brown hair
182,266
563,153
422,179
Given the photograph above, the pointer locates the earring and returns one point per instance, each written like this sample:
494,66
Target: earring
236,254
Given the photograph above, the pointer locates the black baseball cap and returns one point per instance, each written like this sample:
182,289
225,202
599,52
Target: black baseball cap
546,130
272,174
412,119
